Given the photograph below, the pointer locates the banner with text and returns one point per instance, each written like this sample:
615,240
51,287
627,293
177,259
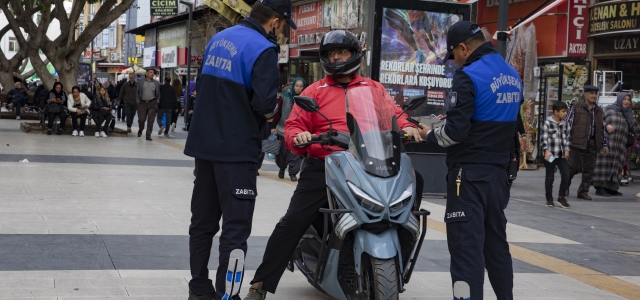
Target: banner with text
616,17
163,7
413,47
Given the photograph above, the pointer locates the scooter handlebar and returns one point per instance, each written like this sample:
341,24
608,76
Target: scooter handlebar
314,140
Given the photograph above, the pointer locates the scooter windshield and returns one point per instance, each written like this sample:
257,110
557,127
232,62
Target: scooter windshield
375,138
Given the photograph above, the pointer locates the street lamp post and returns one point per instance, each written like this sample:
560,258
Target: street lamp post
503,16
186,101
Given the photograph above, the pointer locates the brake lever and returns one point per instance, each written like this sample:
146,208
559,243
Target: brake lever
414,122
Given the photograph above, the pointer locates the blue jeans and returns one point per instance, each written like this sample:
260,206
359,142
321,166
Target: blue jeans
18,103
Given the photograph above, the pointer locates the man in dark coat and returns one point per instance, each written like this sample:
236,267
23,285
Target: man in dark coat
167,105
588,138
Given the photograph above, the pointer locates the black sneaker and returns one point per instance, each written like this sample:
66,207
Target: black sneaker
550,202
563,202
615,193
59,132
281,174
49,131
193,296
601,192
139,132
293,178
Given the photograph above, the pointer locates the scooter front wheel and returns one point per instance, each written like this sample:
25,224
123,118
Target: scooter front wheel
380,277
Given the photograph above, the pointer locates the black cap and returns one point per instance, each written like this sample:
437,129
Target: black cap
590,88
458,33
283,7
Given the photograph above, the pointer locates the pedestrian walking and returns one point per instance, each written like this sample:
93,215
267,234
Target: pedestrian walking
177,86
588,138
237,94
148,98
621,128
129,96
481,120
286,158
167,105
555,143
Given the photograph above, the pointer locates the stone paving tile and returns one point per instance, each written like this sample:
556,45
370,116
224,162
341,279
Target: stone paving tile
19,283
120,282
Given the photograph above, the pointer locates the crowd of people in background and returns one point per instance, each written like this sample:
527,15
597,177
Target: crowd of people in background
106,103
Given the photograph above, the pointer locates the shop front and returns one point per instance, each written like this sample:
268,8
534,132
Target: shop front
172,49
614,37
304,43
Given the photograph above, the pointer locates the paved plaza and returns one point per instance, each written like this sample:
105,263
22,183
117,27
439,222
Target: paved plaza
96,218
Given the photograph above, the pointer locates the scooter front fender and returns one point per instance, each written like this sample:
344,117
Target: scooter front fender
384,245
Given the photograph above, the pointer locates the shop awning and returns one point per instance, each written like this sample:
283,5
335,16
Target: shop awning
197,13
542,9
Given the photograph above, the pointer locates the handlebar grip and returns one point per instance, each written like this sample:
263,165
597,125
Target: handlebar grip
314,140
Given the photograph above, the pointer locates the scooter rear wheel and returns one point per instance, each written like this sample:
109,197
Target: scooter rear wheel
380,279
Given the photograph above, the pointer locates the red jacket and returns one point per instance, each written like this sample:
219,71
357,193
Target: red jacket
330,96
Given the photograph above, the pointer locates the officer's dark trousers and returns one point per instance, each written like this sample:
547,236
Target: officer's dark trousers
476,227
310,195
583,161
215,196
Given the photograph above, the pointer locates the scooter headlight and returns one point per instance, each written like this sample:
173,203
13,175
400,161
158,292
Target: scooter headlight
403,200
365,200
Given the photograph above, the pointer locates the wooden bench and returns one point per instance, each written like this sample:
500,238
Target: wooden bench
29,111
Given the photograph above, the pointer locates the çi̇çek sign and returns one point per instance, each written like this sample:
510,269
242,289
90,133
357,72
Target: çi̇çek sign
164,7
616,17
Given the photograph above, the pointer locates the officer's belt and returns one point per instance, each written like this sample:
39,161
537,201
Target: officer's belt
501,167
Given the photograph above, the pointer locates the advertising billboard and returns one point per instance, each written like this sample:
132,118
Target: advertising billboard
413,46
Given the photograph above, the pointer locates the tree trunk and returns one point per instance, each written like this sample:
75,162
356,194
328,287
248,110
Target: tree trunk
41,68
67,73
6,78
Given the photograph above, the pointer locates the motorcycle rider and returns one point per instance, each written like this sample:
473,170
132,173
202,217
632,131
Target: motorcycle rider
340,56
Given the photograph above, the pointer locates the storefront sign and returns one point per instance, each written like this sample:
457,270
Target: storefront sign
224,10
197,58
149,57
164,7
408,69
239,6
183,71
283,56
172,35
621,44
306,17
616,17
169,57
577,31
492,3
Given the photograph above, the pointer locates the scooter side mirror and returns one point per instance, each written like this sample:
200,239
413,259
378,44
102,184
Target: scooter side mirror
306,103
414,102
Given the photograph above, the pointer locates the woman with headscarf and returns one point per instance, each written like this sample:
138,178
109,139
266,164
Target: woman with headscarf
57,107
285,105
619,123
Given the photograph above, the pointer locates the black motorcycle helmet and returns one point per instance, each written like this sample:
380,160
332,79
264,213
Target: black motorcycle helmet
340,39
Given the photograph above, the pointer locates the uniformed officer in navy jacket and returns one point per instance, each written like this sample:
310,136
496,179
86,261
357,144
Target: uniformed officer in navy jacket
481,121
237,92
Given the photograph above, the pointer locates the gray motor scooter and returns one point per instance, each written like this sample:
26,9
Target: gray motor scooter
373,229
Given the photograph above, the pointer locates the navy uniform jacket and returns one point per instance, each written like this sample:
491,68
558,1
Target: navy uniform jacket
237,87
484,103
